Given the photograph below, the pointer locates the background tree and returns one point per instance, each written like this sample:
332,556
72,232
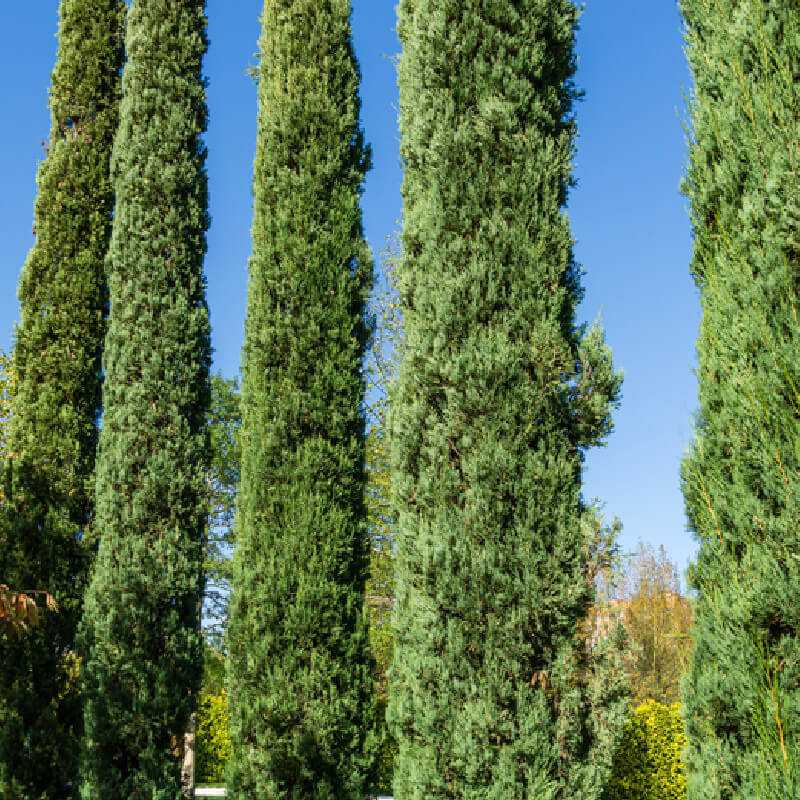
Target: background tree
50,430
7,381
142,619
224,422
300,674
382,364
499,394
658,620
742,477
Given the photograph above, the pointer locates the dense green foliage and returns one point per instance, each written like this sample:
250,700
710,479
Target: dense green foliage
300,676
52,436
649,762
772,768
213,737
742,478
142,618
498,396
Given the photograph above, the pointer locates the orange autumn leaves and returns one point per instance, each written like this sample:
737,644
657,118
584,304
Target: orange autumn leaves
21,611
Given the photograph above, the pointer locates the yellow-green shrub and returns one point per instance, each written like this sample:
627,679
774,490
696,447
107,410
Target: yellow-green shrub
213,737
649,762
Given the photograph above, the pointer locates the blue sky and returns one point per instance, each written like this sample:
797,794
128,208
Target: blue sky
629,219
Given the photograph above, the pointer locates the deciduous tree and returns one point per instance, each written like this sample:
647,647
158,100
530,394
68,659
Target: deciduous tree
20,611
224,423
658,620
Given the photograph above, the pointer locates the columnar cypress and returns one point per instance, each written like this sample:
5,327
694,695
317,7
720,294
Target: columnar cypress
53,432
742,477
299,666
498,396
142,626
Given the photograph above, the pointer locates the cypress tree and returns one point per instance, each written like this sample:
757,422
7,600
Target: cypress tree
142,615
499,394
52,434
299,667
742,476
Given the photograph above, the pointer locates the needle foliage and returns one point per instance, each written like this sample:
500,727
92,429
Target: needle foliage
300,673
499,394
51,433
142,618
742,477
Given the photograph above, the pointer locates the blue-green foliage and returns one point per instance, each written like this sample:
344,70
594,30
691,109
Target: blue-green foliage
498,396
742,477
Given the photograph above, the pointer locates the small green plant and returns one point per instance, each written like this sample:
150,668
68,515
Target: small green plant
649,763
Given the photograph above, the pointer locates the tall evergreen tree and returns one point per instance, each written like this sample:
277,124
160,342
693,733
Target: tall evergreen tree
142,616
742,477
498,396
299,666
52,434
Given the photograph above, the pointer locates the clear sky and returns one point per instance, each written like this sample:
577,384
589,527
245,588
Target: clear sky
629,219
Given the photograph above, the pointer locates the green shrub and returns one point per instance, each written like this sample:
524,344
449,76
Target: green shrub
649,762
213,737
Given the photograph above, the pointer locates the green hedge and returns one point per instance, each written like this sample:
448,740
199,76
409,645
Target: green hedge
213,738
649,762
